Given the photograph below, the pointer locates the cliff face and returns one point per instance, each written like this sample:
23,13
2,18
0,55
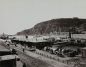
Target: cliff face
58,25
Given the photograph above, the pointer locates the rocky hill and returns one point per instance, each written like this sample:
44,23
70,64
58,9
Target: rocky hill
57,25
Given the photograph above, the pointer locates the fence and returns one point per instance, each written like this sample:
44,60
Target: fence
68,62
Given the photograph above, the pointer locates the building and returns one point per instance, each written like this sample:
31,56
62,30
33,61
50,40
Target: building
7,59
83,57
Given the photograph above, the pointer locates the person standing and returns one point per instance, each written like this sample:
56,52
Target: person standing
23,49
24,65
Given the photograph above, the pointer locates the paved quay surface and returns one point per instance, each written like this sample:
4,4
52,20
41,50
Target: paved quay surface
50,62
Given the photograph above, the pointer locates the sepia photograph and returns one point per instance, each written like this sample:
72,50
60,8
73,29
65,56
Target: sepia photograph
42,33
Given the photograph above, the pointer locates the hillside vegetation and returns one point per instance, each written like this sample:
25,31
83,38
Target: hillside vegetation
57,25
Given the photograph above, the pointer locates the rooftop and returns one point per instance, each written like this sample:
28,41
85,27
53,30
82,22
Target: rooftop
84,48
8,57
2,48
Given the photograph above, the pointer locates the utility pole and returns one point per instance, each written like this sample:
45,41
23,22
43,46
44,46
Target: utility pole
59,30
70,32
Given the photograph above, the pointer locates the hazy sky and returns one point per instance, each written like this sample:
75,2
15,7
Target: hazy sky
17,15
